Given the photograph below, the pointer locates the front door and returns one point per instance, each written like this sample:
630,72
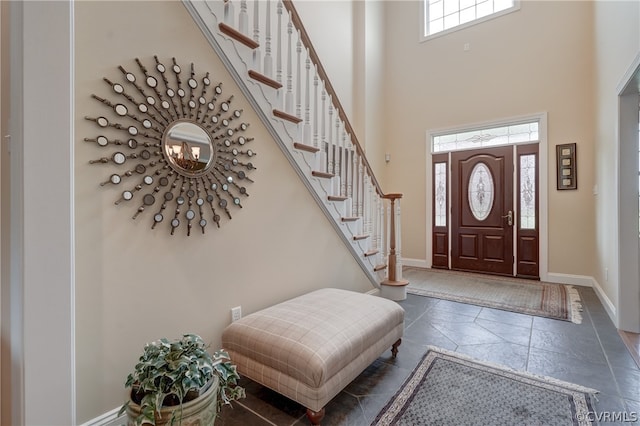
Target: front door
482,210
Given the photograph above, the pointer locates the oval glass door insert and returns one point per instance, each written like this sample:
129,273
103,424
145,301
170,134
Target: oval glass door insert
481,191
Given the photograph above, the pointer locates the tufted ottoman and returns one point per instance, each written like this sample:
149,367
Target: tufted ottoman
310,347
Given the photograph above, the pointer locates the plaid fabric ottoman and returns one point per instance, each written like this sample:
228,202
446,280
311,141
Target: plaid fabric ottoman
310,347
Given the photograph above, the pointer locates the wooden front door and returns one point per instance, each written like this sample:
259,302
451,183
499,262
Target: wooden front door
482,210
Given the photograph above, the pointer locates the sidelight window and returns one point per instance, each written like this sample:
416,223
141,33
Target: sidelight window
528,191
441,194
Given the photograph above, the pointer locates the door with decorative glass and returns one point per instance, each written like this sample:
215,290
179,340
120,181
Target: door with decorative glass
492,225
482,210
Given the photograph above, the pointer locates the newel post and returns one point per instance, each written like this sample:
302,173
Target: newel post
392,288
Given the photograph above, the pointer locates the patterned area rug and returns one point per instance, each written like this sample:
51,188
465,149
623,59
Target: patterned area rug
530,297
448,388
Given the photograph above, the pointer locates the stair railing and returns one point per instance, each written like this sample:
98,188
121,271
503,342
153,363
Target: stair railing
308,99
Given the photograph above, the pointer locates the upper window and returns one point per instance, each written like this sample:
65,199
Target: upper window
444,15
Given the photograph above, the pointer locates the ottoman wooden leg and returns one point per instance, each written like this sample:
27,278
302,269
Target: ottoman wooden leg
394,348
315,416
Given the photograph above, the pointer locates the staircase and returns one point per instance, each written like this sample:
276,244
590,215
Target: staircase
275,65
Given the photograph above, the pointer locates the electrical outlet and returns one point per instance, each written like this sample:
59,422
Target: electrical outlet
236,313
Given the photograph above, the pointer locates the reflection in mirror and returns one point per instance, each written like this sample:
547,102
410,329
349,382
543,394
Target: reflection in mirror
188,148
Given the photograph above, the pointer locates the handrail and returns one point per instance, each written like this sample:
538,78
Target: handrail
297,22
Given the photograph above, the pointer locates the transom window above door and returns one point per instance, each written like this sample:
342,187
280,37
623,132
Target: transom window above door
441,16
485,137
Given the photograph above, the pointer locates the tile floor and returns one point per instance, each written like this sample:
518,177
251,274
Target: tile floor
590,354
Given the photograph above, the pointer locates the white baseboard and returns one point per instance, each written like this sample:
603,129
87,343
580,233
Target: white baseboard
585,281
418,263
110,418
581,280
606,302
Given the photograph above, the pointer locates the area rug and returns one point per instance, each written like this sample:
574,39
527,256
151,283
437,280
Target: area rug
549,300
447,388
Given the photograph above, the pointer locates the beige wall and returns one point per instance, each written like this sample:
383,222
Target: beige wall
617,43
318,17
135,284
534,60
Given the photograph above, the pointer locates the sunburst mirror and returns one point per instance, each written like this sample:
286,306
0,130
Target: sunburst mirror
180,145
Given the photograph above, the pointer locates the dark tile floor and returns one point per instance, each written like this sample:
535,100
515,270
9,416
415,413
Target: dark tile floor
591,354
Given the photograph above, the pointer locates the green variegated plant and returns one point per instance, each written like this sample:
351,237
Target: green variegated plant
170,373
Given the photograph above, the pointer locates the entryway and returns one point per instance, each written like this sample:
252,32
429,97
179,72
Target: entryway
486,209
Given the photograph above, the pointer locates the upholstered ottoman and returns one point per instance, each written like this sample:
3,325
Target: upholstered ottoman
310,347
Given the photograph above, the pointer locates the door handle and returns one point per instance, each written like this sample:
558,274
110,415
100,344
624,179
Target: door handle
509,217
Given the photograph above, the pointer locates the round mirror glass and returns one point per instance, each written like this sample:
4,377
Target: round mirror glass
188,148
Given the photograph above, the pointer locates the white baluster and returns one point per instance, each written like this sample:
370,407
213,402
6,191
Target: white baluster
366,214
257,56
382,244
315,108
229,13
306,131
345,164
243,18
298,78
330,151
388,237
351,177
279,54
378,234
268,60
337,154
360,187
398,241
324,149
288,99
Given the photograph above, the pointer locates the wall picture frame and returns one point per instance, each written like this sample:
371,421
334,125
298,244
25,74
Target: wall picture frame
567,177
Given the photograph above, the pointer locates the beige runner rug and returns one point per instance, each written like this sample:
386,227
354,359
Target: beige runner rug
549,300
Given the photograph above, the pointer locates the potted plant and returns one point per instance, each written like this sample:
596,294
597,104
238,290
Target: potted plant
180,381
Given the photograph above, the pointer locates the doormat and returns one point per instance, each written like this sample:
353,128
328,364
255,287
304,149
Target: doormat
447,388
549,300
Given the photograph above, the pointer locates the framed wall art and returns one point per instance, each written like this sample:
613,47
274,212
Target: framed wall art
566,166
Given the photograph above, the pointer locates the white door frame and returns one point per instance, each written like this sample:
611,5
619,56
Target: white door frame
627,184
38,305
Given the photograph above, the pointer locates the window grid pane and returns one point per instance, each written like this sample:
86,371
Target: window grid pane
496,136
441,194
444,14
528,191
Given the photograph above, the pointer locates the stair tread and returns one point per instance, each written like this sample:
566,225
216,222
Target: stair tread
237,35
304,147
371,253
264,79
286,116
401,283
361,237
379,267
350,218
337,198
322,174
